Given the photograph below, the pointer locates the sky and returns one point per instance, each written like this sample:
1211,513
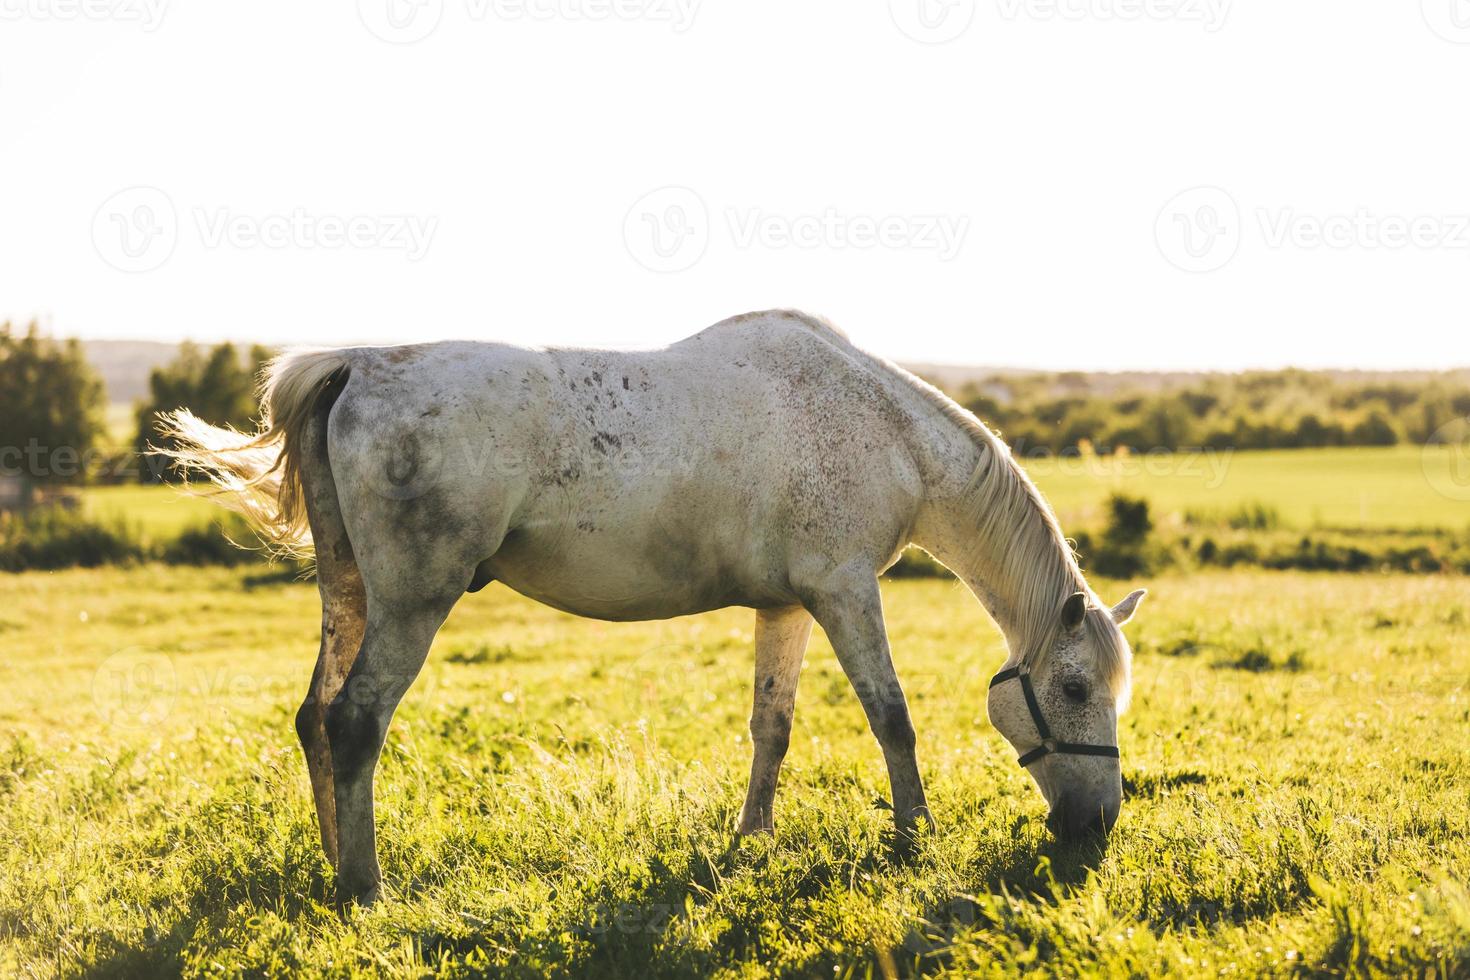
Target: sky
1056,184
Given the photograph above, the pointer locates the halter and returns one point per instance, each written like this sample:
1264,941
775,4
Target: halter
1048,744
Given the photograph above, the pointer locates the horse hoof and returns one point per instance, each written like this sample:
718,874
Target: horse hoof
361,897
920,821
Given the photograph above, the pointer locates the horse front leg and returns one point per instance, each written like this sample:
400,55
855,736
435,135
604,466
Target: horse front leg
850,609
780,644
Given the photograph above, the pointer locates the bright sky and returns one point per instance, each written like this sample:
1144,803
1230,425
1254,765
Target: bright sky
1089,184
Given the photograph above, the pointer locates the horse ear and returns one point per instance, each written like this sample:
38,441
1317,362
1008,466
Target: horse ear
1073,611
1124,610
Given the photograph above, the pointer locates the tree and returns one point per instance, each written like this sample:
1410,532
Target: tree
217,385
51,407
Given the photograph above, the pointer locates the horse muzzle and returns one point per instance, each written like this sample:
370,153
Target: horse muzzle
1075,818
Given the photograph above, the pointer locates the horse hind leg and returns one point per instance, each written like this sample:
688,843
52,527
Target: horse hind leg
780,645
344,618
395,644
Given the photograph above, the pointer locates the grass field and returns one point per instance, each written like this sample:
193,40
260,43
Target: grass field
1398,487
558,795
1401,487
159,512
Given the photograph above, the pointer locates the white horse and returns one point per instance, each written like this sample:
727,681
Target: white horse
764,462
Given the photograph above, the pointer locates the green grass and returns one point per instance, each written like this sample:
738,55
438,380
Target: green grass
158,512
1399,487
120,423
558,795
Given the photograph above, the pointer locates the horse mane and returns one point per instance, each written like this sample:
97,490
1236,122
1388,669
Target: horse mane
1028,560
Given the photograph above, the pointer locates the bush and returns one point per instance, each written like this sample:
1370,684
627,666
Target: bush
50,399
218,385
1123,551
56,537
49,538
229,541
1128,522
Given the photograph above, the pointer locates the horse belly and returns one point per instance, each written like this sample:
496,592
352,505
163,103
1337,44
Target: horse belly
612,580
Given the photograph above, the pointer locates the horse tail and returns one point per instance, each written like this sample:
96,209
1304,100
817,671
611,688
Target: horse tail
259,474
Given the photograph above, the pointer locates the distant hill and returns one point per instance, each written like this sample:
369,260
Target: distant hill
125,364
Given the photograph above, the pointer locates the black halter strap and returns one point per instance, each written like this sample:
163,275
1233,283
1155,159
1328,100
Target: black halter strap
1048,744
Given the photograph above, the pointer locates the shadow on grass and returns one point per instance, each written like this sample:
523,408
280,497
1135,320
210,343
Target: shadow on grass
607,932
1154,784
218,882
642,936
1045,874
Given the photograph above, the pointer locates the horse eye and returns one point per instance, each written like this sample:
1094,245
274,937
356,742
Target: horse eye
1076,690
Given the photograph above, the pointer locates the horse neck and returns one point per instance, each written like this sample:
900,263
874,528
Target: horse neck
985,522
